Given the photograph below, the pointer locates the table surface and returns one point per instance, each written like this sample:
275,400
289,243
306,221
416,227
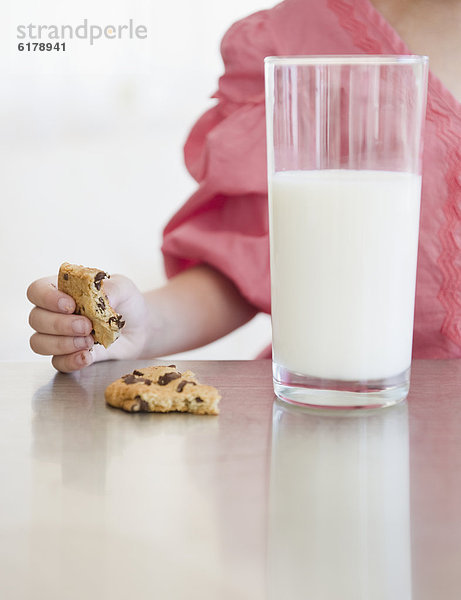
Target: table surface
265,501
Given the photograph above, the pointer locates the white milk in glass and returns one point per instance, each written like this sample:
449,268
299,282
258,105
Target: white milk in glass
343,268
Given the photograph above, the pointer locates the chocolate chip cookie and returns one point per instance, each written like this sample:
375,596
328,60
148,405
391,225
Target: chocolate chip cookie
86,287
162,389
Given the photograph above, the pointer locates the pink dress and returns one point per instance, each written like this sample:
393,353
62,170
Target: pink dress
225,222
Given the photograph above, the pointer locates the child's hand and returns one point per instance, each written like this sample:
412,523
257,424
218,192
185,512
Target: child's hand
67,337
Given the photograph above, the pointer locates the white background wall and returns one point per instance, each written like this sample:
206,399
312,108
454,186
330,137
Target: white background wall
91,164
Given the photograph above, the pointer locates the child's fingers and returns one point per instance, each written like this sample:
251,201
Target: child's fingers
46,321
72,362
45,294
42,343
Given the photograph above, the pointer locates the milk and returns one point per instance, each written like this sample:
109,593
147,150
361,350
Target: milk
343,269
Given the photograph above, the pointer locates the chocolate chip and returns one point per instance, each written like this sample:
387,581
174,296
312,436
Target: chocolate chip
165,379
138,373
172,366
117,320
182,384
98,278
198,399
66,276
101,304
142,405
128,379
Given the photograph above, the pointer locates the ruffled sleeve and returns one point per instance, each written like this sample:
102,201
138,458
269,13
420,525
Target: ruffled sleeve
225,222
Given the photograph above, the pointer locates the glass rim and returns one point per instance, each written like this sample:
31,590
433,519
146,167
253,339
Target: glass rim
348,59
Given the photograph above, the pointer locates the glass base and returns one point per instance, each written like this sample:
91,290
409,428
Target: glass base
305,390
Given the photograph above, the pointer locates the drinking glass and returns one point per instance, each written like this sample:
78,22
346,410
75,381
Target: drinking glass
344,146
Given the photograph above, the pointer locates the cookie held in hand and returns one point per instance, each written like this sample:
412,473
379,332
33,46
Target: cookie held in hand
85,286
162,389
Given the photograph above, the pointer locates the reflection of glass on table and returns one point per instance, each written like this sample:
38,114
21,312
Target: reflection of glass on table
339,505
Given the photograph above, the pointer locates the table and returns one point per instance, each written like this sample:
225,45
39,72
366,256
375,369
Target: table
265,501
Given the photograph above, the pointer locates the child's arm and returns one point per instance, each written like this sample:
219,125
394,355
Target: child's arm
194,308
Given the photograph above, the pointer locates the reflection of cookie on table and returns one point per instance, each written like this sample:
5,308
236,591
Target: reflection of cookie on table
162,389
86,287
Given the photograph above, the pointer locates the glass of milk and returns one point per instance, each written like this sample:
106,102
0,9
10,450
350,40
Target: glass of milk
344,146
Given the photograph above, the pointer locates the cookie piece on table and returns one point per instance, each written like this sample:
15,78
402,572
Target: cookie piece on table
162,389
86,287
